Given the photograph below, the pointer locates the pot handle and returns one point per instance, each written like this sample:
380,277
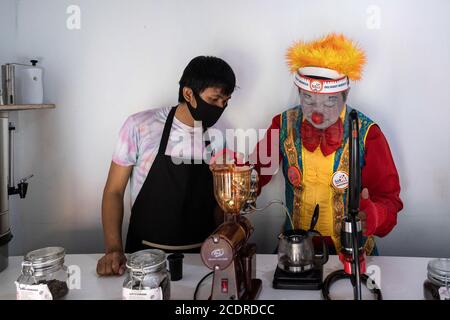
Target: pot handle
320,259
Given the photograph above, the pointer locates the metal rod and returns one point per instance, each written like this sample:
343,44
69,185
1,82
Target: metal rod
12,128
4,158
10,84
355,258
353,200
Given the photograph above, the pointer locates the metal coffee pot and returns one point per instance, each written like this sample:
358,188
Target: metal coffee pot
296,250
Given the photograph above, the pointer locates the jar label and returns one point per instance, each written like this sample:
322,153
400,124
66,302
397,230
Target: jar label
32,292
444,293
144,294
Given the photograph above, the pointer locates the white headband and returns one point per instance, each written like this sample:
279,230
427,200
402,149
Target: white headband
337,83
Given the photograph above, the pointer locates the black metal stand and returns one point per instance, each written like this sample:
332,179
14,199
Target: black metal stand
353,199
351,233
340,275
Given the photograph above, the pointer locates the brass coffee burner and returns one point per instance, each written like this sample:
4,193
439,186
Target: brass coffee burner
226,251
231,187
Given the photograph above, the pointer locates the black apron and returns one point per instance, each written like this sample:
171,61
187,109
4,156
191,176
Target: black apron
175,206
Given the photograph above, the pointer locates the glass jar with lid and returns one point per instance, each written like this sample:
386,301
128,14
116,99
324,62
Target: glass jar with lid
44,275
437,285
147,277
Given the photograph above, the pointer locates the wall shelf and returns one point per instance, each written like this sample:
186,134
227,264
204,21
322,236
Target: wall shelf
17,107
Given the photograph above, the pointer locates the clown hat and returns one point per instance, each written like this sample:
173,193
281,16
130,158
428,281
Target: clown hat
326,65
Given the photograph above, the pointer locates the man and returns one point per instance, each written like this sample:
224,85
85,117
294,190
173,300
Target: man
313,146
173,202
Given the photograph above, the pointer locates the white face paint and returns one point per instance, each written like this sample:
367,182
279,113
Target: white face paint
322,110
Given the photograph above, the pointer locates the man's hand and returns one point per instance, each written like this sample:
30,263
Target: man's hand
362,215
112,263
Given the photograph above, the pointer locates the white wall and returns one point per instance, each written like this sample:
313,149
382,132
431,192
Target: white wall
7,29
129,55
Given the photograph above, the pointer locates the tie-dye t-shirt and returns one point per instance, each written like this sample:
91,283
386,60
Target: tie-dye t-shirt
139,141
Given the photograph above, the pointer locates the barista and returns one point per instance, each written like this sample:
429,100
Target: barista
312,141
173,204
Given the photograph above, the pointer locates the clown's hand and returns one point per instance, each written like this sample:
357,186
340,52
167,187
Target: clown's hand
367,213
226,157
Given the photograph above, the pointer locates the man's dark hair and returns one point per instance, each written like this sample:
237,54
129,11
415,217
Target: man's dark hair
204,72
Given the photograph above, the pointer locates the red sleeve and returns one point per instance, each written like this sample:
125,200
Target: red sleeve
267,155
380,177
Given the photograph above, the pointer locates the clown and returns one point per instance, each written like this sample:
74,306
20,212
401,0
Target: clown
313,146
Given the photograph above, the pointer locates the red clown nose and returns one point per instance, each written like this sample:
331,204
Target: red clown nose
317,118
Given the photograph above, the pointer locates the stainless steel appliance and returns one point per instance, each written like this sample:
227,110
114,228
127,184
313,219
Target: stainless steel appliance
7,184
22,83
8,83
299,266
5,232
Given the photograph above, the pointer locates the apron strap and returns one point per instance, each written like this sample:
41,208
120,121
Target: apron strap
172,248
166,132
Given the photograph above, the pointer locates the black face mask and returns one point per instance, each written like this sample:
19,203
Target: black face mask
207,113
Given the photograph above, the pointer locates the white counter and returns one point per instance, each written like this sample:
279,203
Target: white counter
400,278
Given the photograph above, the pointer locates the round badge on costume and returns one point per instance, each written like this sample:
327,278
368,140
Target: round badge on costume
340,180
295,176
